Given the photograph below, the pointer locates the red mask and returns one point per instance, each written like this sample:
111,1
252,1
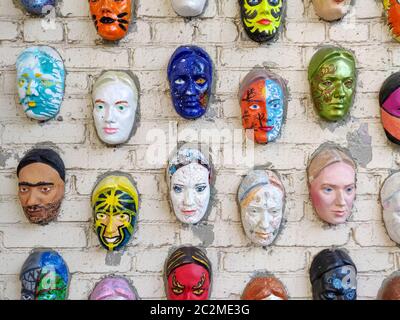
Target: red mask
394,18
111,17
188,282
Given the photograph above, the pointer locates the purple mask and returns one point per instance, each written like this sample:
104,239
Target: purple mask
113,288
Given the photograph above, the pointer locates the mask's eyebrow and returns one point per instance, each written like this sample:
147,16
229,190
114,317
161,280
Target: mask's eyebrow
200,283
123,101
99,100
38,184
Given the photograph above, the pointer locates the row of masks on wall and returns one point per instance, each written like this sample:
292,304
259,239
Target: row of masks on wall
190,178
188,276
263,95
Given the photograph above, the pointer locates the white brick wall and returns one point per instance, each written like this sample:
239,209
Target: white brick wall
146,50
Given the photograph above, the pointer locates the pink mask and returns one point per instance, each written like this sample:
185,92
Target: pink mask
113,288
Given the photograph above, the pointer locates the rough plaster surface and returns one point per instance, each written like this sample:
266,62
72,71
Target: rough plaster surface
156,33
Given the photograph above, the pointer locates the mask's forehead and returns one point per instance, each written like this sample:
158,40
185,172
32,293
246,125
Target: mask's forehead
115,91
192,64
191,174
274,90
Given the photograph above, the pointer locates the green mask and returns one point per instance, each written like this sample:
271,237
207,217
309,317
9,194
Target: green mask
332,77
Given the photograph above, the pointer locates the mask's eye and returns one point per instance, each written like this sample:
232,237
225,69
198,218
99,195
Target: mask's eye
99,107
121,108
253,2
349,82
123,217
327,83
177,189
328,190
23,189
47,83
198,292
177,290
45,189
100,216
273,2
254,107
201,81
349,189
21,82
179,81
201,188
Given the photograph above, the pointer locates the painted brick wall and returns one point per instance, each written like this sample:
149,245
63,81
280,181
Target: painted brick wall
146,50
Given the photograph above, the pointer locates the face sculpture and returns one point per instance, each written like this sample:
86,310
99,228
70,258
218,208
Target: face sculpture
261,196
111,17
189,177
332,77
40,82
188,8
392,9
263,103
389,100
44,276
115,203
333,276
262,19
41,182
390,200
332,184
115,101
331,10
265,288
38,7
390,289
190,78
113,288
188,275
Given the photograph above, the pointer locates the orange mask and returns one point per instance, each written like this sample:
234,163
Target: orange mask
111,17
393,14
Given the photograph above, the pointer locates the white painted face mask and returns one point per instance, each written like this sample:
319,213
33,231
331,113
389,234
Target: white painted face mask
188,8
261,197
189,176
331,10
390,199
115,100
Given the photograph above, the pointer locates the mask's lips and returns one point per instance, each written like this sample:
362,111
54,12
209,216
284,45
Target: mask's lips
107,20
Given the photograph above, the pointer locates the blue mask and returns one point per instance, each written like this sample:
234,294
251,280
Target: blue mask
38,7
339,284
41,82
190,76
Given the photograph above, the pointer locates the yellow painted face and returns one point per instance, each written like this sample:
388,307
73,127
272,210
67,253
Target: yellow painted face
115,204
262,18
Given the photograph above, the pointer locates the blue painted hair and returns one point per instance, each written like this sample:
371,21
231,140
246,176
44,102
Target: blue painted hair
53,260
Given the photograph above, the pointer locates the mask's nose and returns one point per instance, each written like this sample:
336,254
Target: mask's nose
191,90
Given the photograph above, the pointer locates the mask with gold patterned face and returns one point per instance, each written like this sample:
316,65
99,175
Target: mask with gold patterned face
262,19
115,203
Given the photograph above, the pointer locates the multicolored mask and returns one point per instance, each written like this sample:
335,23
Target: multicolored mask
332,77
390,289
41,182
44,276
265,288
111,17
115,100
392,9
262,19
188,8
190,75
390,200
115,203
332,184
38,7
40,82
114,288
263,102
261,196
331,10
188,275
389,100
189,178
333,276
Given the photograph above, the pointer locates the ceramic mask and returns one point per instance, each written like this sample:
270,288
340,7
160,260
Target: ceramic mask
332,77
111,17
40,82
263,103
333,276
262,19
44,276
265,288
41,184
331,10
390,289
392,9
189,176
115,101
113,288
389,100
190,75
188,8
261,196
38,7
332,184
115,203
390,200
188,275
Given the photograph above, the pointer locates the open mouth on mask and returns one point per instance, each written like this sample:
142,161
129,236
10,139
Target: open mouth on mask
113,239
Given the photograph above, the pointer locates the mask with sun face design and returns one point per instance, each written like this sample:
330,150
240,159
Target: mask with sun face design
111,17
392,8
115,202
262,19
